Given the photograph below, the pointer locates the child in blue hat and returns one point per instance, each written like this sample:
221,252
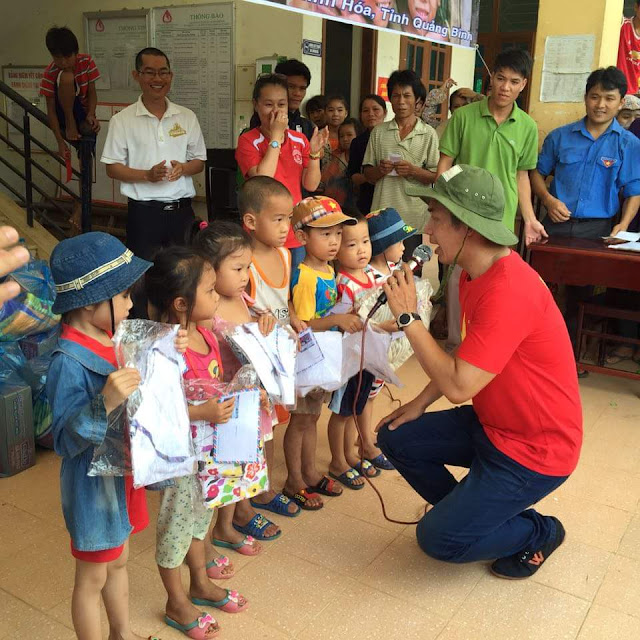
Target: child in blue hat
387,231
94,274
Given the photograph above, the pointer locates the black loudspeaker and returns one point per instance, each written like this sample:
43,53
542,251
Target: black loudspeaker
221,185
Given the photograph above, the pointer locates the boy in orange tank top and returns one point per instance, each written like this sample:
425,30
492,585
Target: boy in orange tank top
266,207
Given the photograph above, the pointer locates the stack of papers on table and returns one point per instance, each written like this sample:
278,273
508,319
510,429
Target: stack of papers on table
632,241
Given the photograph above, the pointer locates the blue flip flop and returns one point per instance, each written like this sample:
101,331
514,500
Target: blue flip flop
347,479
363,468
381,462
279,505
255,528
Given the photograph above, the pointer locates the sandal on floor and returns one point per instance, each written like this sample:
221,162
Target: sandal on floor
616,357
364,469
347,479
381,462
301,498
203,628
325,487
229,604
279,505
217,566
256,527
245,547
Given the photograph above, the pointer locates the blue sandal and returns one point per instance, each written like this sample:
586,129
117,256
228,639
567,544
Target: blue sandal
364,469
381,462
347,479
255,528
279,505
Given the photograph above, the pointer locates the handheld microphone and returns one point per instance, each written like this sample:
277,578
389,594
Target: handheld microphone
421,254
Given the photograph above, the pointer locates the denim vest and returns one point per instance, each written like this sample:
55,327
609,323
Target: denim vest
94,508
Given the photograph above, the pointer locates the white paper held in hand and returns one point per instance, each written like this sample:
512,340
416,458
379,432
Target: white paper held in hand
237,439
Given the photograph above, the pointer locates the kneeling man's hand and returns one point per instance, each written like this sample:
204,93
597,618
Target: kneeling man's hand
406,413
400,288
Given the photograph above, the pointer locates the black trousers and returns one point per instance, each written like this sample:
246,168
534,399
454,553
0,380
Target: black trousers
149,228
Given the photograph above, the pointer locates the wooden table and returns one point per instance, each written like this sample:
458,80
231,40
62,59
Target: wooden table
580,262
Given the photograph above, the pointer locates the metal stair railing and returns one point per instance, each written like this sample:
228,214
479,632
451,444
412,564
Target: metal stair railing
85,149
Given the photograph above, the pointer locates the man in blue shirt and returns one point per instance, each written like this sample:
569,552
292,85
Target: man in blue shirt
592,160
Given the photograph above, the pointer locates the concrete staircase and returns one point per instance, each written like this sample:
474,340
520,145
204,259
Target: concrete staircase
38,240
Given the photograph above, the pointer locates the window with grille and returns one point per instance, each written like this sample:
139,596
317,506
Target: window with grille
430,60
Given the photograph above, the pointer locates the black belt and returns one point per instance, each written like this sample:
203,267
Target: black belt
171,205
586,219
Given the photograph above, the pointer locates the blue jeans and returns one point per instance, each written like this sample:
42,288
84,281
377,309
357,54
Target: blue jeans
485,515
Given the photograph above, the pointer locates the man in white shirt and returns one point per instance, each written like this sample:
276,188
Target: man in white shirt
154,147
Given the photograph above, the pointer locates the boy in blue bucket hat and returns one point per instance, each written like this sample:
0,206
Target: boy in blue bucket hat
387,231
94,273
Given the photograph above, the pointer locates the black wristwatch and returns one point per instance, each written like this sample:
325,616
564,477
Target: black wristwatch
405,319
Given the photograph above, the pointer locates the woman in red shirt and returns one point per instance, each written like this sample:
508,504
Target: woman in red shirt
274,150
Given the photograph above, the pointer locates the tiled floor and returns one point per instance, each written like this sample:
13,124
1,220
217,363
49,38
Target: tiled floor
345,572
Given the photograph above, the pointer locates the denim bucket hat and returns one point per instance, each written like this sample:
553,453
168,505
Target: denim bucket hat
91,268
386,228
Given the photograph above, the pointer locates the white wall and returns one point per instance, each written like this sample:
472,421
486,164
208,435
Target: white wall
312,30
462,66
387,59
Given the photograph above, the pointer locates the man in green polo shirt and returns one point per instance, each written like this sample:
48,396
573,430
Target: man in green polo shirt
496,135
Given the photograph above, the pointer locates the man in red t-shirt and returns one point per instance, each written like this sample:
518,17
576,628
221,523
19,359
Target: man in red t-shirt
629,50
522,435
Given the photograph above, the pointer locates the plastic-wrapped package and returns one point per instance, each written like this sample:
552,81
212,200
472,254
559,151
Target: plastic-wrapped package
30,312
320,363
33,373
400,349
113,456
149,435
376,350
224,483
159,433
273,357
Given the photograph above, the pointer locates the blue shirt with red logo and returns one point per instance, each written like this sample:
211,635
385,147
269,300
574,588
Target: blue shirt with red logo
589,174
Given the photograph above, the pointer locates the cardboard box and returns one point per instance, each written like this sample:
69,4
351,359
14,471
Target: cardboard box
17,442
40,344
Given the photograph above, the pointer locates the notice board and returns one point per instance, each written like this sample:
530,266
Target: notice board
199,40
113,38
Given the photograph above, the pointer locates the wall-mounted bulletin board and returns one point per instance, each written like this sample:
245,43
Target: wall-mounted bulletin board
199,40
113,38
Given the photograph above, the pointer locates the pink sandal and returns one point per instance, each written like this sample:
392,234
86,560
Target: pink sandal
244,547
217,566
204,628
229,604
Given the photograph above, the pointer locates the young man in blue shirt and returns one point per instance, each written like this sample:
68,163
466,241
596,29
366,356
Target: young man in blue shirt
592,160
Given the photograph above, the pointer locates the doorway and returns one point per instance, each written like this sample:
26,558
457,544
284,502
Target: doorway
336,68
349,62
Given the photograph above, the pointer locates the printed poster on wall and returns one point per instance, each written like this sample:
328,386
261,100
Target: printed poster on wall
113,40
25,80
452,21
199,42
